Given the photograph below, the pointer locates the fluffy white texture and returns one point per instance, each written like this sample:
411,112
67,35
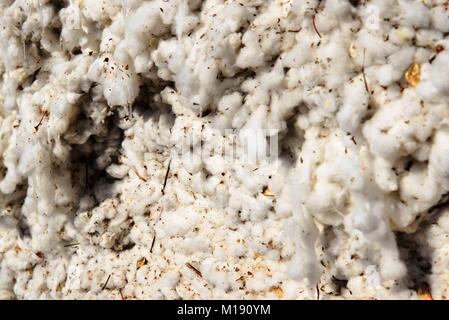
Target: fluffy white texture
98,98
178,222
440,18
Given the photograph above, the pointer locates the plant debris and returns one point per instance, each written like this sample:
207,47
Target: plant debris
314,26
141,262
44,114
424,292
412,75
194,269
152,243
267,192
363,72
166,177
278,291
106,283
71,244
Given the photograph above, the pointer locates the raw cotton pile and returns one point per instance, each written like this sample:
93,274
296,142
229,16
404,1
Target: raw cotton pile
222,149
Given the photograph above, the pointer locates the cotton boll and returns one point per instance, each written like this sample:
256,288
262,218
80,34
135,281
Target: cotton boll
428,37
253,136
438,77
216,277
230,103
179,222
143,63
184,22
269,18
426,90
186,134
323,201
185,198
272,79
192,162
418,185
215,165
338,7
390,138
280,107
12,177
122,126
386,74
402,36
323,23
361,219
385,177
100,11
376,47
301,53
440,18
145,18
401,59
46,14
335,57
120,86
391,267
307,75
271,43
355,105
422,154
251,55
439,157
304,263
414,13
72,26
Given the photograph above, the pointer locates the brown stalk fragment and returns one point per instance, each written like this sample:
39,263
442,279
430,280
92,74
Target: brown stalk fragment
71,245
166,177
44,114
139,176
198,273
363,72
106,283
152,243
314,26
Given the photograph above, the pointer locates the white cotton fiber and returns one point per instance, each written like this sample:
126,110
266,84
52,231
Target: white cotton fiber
239,149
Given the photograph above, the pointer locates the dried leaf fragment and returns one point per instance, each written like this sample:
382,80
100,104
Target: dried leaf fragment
141,262
438,48
412,74
424,293
30,270
352,51
266,192
278,291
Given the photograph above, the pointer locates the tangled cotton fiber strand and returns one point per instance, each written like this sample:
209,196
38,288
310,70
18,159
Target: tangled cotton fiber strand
116,123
